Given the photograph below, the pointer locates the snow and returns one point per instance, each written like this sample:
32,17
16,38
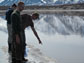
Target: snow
34,54
52,28
1,1
65,25
3,25
41,2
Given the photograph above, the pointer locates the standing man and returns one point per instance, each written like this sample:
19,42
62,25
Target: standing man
17,32
8,18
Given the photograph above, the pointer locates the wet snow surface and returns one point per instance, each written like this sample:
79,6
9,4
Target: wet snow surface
34,54
62,37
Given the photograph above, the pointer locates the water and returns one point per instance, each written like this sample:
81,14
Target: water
62,37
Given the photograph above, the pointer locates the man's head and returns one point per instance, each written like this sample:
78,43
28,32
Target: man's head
35,16
14,6
20,6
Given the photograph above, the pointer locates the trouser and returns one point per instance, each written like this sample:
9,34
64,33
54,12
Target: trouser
9,36
18,50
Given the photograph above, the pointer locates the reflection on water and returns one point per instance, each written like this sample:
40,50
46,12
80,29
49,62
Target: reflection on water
62,37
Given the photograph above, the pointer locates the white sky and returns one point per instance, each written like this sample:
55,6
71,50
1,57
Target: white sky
1,1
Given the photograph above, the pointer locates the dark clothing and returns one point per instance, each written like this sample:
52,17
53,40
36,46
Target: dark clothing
8,15
9,48
8,18
18,26
16,22
27,21
17,49
9,28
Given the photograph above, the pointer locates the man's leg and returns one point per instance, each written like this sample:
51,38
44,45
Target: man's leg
23,45
9,37
9,47
17,53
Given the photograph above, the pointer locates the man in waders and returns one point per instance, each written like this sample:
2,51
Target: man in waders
17,35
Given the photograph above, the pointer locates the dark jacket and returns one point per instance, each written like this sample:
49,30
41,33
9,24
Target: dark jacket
8,15
16,22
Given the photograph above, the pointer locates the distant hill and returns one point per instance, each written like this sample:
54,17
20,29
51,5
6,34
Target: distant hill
50,9
40,2
65,7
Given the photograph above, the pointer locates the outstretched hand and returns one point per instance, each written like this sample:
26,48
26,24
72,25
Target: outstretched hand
40,42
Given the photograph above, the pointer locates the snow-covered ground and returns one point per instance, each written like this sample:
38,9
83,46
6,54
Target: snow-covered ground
34,54
1,1
62,37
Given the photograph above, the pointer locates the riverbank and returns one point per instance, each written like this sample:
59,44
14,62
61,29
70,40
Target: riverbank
75,12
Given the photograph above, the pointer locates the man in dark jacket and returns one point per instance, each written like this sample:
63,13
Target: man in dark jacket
27,20
8,18
17,34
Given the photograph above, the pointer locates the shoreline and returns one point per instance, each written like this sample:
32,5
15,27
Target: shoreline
75,12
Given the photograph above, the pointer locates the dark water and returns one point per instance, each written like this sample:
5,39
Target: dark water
62,37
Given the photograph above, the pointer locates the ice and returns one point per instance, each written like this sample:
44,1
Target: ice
34,54
1,1
48,24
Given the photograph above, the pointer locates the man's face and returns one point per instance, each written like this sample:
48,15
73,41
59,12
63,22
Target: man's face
21,7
